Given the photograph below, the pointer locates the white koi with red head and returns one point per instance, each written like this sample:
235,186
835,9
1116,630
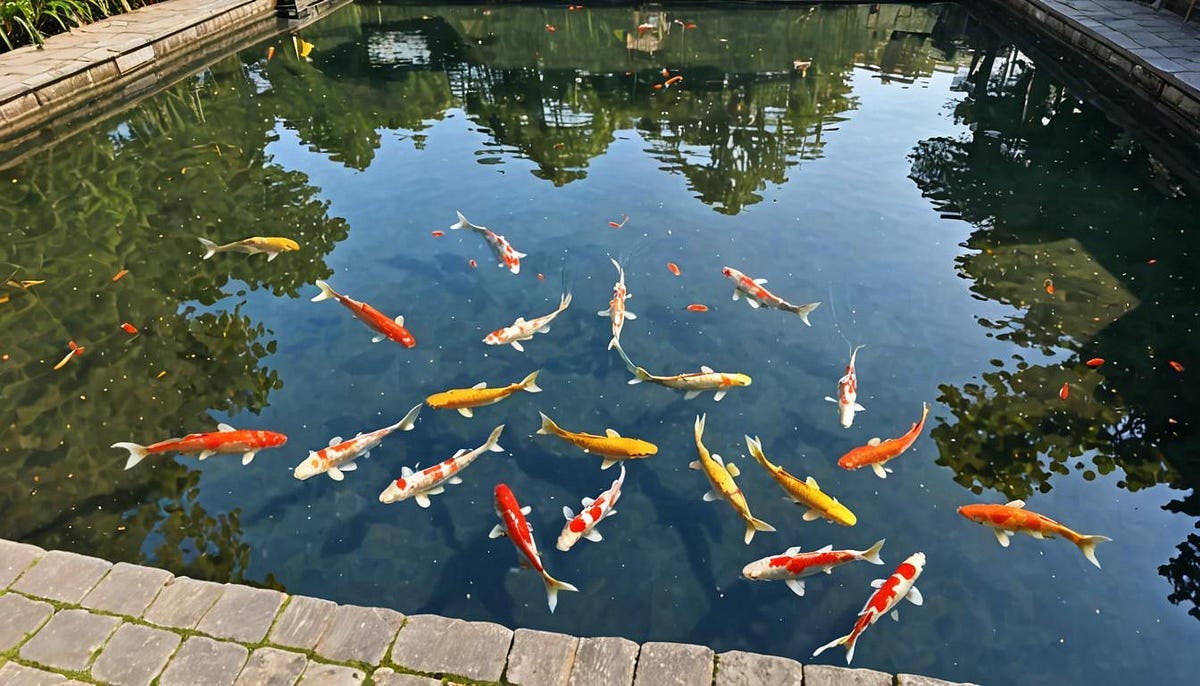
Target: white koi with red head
514,525
583,525
507,255
522,330
430,481
616,311
890,592
847,400
339,456
758,296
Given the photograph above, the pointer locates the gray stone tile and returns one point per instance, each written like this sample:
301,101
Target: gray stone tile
737,668
359,634
20,675
824,675
69,640
272,667
321,674
303,622
917,680
127,590
65,577
242,614
540,658
437,645
16,558
182,603
608,660
674,664
22,617
1150,39
202,660
134,655
389,677
1157,60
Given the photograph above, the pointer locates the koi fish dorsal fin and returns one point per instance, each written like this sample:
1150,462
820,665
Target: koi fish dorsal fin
760,281
587,502
793,550
612,433
706,369
406,472
812,483
568,513
826,549
875,441
732,469
877,583
526,510
223,427
1015,503
334,441
481,384
399,319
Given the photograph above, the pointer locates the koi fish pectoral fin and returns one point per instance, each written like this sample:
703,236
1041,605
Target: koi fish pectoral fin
914,596
1001,536
689,395
423,500
797,586
605,313
811,515
335,474
568,513
832,400
377,339
593,536
607,463
879,470
895,615
518,347
496,532
718,395
711,496
695,464
349,466
224,428
454,480
630,315
247,457
206,454
466,412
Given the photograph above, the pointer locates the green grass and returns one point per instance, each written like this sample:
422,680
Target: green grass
25,22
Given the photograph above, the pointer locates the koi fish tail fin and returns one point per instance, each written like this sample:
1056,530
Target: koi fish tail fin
614,343
326,292
137,453
492,444
565,302
847,640
210,248
529,383
754,445
872,554
754,524
639,374
698,429
462,222
553,586
549,428
803,310
1087,544
410,419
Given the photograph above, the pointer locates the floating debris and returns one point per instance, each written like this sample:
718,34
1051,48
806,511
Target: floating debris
673,268
1049,286
1064,391
1175,365
1095,362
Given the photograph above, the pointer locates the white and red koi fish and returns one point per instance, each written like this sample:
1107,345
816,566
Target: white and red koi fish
847,400
891,591
1013,518
522,330
339,456
514,525
583,525
507,255
225,439
758,296
876,453
392,329
792,565
429,481
616,311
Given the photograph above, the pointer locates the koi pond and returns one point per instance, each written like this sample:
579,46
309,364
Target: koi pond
1001,250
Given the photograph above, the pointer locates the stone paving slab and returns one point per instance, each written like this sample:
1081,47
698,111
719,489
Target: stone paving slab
540,658
20,617
202,660
69,640
135,655
20,675
14,559
389,677
737,668
127,590
674,664
437,645
65,577
183,602
607,660
302,622
359,634
824,675
243,614
918,680
321,674
272,667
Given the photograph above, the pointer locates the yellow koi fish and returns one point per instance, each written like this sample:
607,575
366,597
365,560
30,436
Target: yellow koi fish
806,492
693,384
271,245
611,447
720,475
463,399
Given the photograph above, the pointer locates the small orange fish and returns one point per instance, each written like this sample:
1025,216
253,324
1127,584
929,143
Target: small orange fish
697,307
437,234
615,225
673,268
673,80
1064,391
1151,261
76,350
689,25
550,28
120,274
1095,362
642,28
541,276
129,329
665,73
473,264
657,86
1175,365
270,52
1049,286
558,146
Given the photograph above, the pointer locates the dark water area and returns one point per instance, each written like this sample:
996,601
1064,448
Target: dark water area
900,163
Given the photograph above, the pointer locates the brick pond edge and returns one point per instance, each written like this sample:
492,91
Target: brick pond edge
67,618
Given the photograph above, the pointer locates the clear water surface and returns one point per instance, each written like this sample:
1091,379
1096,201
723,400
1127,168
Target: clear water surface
918,176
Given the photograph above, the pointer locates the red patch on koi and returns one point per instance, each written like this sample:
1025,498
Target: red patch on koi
577,525
1095,362
697,307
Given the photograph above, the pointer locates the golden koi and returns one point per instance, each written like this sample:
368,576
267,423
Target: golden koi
806,493
463,399
721,475
611,447
271,245
1014,518
694,383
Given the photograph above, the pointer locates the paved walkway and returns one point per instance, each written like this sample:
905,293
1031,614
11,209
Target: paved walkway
72,619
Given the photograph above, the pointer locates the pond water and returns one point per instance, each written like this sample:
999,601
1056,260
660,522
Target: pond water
913,172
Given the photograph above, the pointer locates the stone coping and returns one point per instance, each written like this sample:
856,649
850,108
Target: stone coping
67,618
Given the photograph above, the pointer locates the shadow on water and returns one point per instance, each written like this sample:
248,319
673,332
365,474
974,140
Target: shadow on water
1074,291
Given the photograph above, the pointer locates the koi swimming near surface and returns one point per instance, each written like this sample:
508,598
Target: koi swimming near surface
339,456
270,245
1013,518
507,255
612,446
693,384
847,400
616,311
721,476
890,592
758,296
429,481
595,510
522,330
876,453
225,439
792,565
391,329
463,399
806,493
514,525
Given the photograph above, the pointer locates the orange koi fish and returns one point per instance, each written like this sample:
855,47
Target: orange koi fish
225,439
891,591
392,329
1014,518
514,525
877,453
